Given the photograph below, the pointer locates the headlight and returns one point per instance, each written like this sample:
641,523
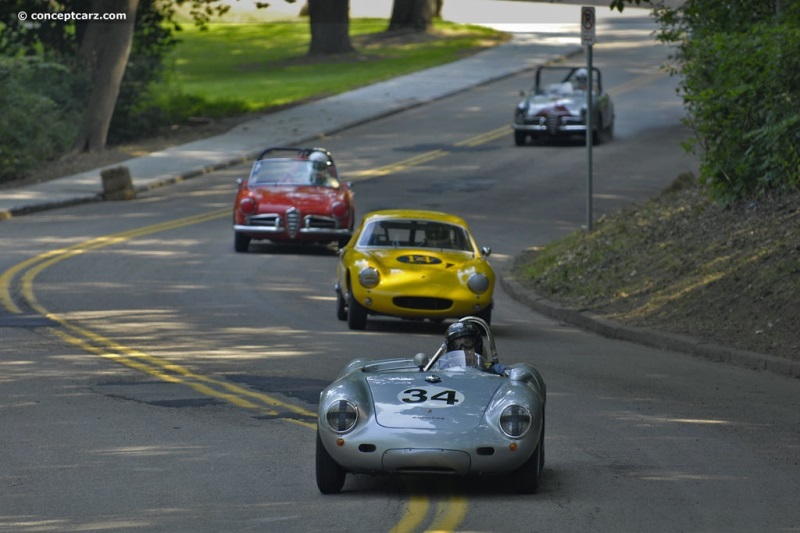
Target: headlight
247,206
478,283
339,210
369,277
341,416
515,420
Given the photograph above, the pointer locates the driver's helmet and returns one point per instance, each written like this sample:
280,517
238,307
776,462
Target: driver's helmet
437,235
581,77
319,166
466,337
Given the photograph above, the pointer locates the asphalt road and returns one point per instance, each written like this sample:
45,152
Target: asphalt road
176,388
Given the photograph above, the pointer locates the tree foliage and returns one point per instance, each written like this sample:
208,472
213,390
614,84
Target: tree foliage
740,82
39,106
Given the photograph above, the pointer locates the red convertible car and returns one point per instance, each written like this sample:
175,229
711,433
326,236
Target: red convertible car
293,195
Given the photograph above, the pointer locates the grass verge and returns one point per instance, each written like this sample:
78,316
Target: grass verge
257,67
683,264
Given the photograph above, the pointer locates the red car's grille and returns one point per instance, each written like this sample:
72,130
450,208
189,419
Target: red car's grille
320,222
292,221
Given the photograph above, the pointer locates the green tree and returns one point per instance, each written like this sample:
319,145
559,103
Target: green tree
739,68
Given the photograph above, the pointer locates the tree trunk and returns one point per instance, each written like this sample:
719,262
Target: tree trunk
414,15
104,53
330,27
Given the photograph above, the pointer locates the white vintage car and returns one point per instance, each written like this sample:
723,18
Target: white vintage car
556,106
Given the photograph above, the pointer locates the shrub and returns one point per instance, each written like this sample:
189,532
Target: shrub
743,98
39,113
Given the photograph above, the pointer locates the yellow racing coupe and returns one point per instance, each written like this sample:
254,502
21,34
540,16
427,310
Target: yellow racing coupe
413,264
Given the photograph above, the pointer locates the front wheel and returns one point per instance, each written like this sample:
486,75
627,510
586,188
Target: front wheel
341,306
330,476
486,315
356,313
520,137
241,242
528,477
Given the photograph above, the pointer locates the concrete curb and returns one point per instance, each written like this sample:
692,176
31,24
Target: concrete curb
648,337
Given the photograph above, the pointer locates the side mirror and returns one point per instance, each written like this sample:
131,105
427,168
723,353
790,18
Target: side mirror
239,181
421,360
522,93
486,251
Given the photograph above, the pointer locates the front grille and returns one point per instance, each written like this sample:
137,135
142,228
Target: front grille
552,123
265,220
292,221
423,302
320,222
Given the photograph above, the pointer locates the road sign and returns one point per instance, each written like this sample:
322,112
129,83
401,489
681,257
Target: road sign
588,36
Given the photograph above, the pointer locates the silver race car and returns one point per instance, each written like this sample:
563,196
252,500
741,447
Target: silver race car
457,412
556,106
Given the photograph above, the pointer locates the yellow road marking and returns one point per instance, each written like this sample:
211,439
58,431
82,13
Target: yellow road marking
415,514
449,515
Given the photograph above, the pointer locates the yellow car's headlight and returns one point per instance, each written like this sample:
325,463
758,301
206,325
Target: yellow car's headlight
369,277
478,283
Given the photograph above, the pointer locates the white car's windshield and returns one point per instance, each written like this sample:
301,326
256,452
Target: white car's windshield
415,234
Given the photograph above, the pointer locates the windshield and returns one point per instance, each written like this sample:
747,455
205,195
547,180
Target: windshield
456,360
291,172
415,234
564,82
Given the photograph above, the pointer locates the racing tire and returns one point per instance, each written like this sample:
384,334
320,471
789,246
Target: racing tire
341,306
241,242
520,137
330,476
528,477
356,313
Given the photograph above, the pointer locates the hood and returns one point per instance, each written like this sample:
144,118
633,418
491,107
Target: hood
420,258
304,198
456,402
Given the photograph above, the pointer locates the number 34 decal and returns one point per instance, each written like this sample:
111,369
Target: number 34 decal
431,397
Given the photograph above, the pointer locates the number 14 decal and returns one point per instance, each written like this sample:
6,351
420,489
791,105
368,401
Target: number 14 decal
431,397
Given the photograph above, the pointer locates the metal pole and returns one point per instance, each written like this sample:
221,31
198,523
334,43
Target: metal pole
589,129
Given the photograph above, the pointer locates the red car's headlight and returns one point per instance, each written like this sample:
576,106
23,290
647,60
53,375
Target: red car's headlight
247,206
339,210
